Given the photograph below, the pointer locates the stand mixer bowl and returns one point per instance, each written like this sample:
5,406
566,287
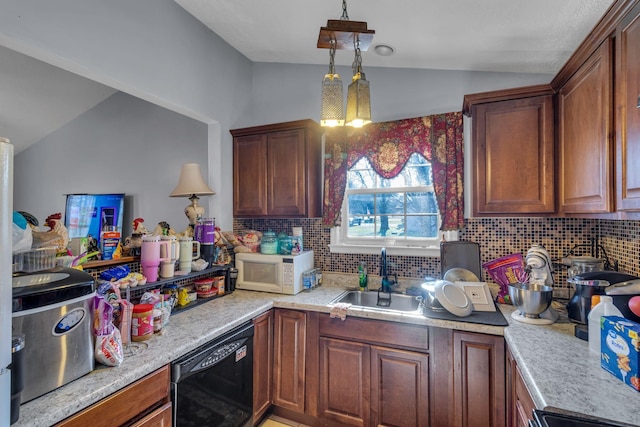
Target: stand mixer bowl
531,299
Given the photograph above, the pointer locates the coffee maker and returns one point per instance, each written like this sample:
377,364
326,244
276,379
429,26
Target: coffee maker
587,285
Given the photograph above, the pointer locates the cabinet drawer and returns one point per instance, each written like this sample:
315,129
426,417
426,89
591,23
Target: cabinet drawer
126,404
376,332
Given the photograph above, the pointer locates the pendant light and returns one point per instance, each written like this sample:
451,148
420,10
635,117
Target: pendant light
331,113
358,94
344,34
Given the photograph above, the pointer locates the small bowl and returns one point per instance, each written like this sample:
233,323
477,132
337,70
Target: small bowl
530,299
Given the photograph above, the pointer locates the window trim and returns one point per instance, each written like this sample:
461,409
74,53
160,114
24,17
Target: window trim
337,246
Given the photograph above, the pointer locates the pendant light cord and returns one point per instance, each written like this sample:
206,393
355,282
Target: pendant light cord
345,15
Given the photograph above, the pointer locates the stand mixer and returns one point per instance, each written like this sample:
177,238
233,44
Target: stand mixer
540,269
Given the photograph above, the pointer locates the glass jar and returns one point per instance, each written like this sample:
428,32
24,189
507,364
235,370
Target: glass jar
284,244
269,243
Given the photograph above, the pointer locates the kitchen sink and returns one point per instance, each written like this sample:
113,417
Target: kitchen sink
401,303
379,301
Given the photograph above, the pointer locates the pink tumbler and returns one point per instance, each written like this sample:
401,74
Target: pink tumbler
150,256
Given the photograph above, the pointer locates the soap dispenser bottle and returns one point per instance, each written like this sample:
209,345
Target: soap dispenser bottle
363,278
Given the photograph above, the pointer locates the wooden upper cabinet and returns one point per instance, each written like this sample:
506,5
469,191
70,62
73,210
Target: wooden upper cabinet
585,128
513,149
277,170
628,112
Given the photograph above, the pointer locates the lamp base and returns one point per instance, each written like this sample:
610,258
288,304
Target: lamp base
194,212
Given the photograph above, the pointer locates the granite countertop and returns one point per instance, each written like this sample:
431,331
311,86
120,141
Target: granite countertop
557,367
563,376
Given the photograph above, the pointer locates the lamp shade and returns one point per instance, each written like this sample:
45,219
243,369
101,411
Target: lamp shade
358,102
191,182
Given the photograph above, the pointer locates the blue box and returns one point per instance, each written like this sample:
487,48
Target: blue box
619,347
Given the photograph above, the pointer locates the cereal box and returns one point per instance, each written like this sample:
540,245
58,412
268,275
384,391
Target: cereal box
619,348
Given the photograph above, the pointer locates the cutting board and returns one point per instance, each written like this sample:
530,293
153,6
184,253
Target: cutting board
460,254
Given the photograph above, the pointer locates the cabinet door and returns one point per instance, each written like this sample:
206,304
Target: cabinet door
513,151
161,417
628,115
249,175
286,175
344,382
479,380
262,364
289,359
399,388
584,137
524,405
520,405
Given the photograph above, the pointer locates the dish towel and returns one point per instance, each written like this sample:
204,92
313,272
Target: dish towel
340,310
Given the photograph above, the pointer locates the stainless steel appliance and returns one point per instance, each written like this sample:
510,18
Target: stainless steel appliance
52,308
213,385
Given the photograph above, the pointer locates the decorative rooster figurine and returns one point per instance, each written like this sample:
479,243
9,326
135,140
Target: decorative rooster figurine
54,221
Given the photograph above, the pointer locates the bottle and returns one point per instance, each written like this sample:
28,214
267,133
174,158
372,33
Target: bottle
363,279
604,308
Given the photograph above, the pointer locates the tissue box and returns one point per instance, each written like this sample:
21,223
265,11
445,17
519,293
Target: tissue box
619,346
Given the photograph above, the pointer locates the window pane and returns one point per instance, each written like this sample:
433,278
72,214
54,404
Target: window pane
361,178
388,203
422,203
360,204
396,225
361,226
422,226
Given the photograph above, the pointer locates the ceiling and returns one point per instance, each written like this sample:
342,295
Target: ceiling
520,36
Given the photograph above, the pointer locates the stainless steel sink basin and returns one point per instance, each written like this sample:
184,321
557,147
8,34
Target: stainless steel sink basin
370,299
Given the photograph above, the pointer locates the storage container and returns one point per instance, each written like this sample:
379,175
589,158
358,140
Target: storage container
34,260
142,322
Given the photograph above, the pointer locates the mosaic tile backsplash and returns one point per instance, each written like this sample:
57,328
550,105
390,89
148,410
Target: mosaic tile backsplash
618,240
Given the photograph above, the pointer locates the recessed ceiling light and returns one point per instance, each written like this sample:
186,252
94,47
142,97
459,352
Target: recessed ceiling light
384,50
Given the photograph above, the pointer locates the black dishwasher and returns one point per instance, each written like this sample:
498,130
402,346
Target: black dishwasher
213,385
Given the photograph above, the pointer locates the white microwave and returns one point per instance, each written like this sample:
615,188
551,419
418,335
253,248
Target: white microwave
281,274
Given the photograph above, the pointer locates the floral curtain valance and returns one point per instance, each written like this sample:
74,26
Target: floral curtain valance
388,146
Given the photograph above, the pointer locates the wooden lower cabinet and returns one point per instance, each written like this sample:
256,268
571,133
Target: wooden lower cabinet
478,379
520,405
289,365
345,373
145,403
399,387
364,385
262,364
161,417
362,372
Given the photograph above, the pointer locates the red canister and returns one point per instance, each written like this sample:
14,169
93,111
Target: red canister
142,322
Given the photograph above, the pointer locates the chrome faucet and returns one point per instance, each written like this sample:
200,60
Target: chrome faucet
387,284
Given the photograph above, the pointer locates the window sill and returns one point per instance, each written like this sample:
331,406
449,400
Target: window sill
429,251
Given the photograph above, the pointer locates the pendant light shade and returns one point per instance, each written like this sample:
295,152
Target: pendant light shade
358,102
331,112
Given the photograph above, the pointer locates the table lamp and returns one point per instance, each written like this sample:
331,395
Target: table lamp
192,185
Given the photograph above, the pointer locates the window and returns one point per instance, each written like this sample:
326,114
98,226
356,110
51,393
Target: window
400,213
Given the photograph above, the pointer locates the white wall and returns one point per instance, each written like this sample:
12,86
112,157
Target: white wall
155,51
123,145
284,92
